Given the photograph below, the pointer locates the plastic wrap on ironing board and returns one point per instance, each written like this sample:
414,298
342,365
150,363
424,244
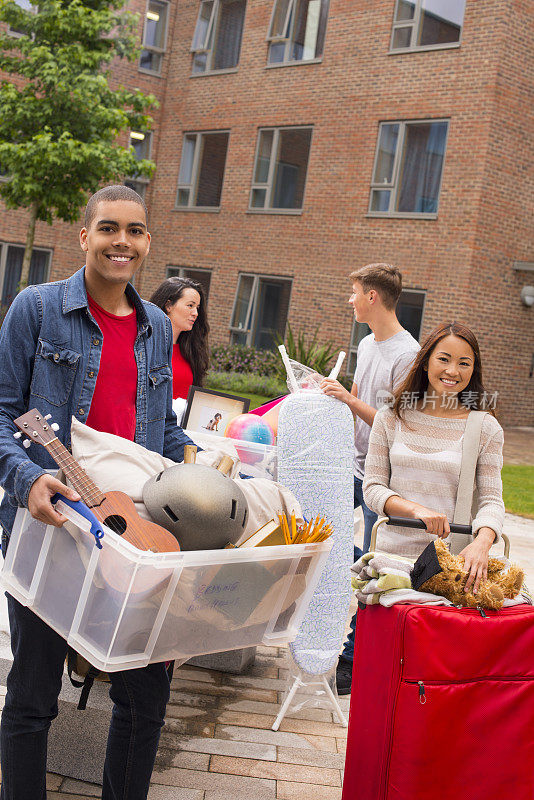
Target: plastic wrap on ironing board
315,461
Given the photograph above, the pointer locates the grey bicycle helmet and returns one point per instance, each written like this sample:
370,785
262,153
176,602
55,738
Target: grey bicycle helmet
203,508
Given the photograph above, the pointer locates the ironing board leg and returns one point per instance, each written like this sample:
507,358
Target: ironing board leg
285,705
330,694
333,699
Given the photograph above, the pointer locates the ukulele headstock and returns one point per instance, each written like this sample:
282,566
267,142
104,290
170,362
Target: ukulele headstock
36,427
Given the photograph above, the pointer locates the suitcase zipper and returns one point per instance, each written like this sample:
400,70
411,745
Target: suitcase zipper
421,684
422,695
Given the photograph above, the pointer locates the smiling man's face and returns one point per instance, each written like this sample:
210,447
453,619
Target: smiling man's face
116,241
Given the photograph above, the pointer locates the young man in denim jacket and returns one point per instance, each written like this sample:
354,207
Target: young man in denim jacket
87,347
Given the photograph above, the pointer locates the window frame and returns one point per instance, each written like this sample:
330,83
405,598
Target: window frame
414,25
150,48
213,28
289,28
195,173
269,184
4,245
253,301
141,179
393,186
173,270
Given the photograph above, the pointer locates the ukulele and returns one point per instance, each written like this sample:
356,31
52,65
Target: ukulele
114,509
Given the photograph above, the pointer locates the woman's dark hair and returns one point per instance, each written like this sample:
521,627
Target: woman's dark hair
193,343
416,382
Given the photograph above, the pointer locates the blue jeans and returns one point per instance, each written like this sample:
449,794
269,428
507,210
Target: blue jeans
369,519
140,697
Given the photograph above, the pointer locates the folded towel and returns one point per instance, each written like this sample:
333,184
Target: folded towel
372,564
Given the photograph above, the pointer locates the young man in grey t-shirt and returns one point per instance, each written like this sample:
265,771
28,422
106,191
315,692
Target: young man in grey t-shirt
384,358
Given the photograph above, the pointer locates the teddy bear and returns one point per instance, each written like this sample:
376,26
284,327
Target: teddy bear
502,582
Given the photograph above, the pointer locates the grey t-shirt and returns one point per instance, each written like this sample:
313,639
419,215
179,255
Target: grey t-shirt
380,367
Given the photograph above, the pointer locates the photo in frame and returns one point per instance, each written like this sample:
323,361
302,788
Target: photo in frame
210,411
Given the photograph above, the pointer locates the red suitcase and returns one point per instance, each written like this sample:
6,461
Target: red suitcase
442,705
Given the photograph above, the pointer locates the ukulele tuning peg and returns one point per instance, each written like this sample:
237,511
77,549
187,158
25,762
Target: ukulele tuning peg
26,443
17,435
54,426
48,416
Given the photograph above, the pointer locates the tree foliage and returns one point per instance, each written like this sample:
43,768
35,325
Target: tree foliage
60,117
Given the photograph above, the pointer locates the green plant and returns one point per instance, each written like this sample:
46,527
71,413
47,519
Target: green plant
308,351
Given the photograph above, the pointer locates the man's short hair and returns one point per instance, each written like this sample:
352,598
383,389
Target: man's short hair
384,279
110,194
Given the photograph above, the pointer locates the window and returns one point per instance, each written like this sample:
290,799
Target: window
410,314
280,169
421,24
202,276
202,170
297,30
408,168
142,144
11,256
217,40
260,310
154,36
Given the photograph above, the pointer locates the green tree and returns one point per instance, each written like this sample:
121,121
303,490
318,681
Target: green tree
60,118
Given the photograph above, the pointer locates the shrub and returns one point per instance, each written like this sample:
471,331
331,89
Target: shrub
247,382
308,351
241,358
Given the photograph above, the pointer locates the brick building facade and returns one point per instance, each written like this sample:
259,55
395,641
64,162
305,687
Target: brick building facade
299,139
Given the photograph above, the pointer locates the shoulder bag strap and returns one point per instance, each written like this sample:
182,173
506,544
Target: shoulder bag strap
464,496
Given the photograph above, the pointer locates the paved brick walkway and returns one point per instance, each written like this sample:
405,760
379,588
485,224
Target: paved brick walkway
218,744
519,446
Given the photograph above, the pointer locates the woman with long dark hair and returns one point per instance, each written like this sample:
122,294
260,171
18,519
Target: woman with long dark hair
184,303
415,451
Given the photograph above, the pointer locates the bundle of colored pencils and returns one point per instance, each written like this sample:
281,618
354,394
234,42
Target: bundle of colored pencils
316,530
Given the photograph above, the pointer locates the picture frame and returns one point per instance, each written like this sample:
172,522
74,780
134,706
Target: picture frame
208,411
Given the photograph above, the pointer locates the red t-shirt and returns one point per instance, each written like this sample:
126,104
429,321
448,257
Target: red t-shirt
182,374
113,404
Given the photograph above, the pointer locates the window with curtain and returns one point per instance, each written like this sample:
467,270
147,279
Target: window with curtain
280,170
154,36
217,38
422,24
202,166
260,311
11,256
297,30
408,167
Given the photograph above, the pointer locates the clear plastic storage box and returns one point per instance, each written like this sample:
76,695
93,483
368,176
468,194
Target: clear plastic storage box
121,607
257,460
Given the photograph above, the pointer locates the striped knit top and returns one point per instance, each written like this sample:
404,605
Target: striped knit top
418,458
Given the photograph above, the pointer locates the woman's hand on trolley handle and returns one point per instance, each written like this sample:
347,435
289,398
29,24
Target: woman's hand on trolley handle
476,558
436,523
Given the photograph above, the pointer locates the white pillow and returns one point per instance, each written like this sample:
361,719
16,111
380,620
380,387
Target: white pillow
117,464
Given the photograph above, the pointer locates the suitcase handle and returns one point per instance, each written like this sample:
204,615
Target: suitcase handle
407,522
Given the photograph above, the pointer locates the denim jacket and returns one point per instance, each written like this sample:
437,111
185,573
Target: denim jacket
50,347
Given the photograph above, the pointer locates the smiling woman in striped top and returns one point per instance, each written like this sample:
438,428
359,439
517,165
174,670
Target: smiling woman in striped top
415,450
